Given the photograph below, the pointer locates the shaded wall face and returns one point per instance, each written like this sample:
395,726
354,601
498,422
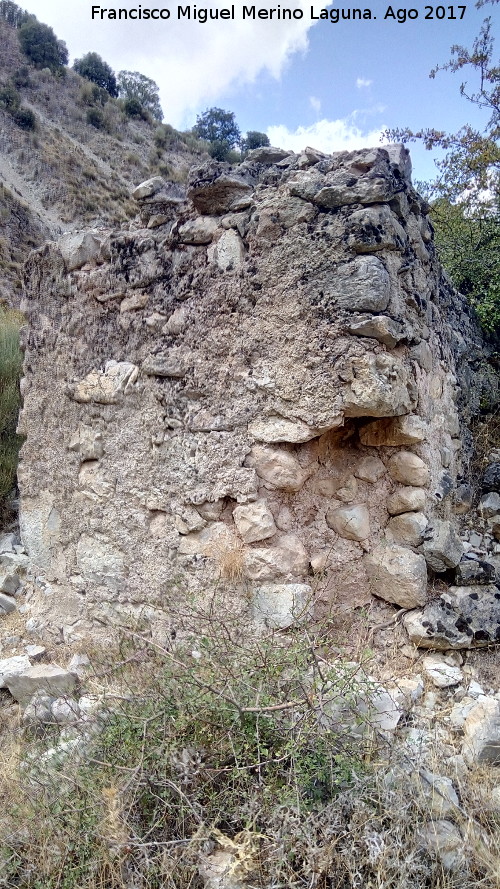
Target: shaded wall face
254,385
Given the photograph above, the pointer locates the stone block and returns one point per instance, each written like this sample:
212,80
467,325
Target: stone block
48,678
273,430
462,617
441,674
282,605
148,188
397,575
489,504
406,499
370,469
481,744
108,386
394,432
378,327
12,666
408,469
78,248
362,285
198,231
379,387
254,521
7,604
278,468
442,547
350,522
408,528
287,557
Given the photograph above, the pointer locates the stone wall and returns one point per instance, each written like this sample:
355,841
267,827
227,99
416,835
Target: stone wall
257,389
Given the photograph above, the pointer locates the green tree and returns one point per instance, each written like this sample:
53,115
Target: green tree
41,46
465,197
93,68
12,13
254,139
136,87
219,128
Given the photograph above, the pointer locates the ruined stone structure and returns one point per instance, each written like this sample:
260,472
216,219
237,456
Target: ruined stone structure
257,389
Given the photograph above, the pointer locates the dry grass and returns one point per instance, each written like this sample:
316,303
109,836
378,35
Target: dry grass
212,756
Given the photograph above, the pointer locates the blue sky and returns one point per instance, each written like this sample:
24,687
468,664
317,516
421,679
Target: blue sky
332,86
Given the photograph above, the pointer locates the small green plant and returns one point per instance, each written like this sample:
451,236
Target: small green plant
95,118
24,118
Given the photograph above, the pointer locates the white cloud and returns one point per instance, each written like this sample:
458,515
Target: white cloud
362,82
193,63
315,104
325,135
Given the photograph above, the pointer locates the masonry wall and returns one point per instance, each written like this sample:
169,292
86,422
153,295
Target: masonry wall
256,392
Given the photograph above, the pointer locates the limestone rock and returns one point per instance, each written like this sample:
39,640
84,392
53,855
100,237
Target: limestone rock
108,386
88,443
443,840
12,666
441,674
148,188
340,192
214,189
375,228
266,155
65,711
491,478
272,430
229,251
175,364
38,712
133,302
254,522
78,248
7,542
394,432
463,617
397,575
7,604
351,522
282,605
42,677
489,504
279,468
407,499
287,557
198,231
9,582
481,742
442,547
436,794
408,528
362,285
100,561
378,327
379,387
370,469
471,571
408,469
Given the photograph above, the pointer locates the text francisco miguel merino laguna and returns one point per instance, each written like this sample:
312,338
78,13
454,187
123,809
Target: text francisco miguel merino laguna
247,12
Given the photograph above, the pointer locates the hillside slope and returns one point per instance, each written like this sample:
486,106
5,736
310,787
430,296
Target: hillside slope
67,173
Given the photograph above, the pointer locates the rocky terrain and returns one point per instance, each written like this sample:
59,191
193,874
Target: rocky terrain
66,173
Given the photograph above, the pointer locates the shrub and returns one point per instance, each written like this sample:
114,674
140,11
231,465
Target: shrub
21,78
24,118
10,99
93,68
95,118
254,139
10,371
135,86
133,108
